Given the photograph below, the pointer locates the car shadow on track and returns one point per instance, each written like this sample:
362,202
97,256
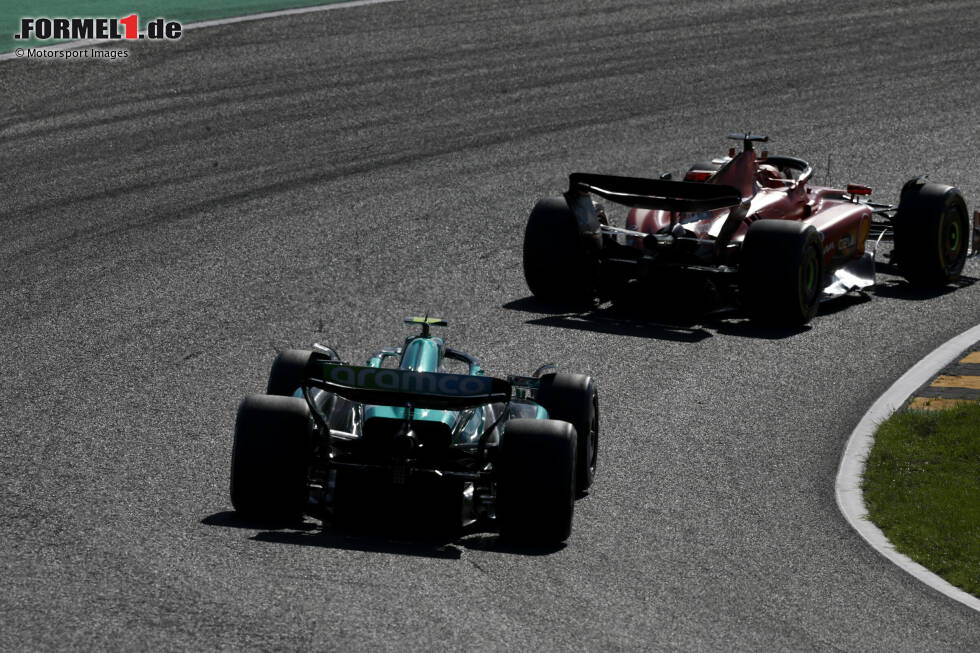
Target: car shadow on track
616,320
745,328
683,323
901,289
678,320
378,538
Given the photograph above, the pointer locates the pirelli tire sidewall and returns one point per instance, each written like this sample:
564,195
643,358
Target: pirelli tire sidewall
288,372
573,398
781,273
932,232
271,456
535,481
560,265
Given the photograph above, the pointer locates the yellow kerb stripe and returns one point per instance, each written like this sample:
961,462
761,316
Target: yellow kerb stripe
972,357
950,381
935,403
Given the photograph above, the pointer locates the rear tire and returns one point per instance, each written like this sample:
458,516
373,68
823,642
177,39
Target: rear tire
535,474
560,267
781,272
270,458
932,230
288,372
573,398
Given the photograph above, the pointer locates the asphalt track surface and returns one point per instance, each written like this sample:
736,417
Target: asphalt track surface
171,219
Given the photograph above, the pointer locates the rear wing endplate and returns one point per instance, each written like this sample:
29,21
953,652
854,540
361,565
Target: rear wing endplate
661,194
396,387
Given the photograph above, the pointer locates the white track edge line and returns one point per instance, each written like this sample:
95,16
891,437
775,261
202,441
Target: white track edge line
213,23
850,498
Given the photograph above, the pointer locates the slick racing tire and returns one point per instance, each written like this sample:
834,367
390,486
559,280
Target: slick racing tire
288,372
560,267
781,272
535,478
573,398
270,458
932,229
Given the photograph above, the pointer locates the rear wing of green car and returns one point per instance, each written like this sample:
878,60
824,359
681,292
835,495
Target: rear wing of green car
397,387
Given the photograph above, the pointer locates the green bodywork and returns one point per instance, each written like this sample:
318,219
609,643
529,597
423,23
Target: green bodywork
418,355
426,354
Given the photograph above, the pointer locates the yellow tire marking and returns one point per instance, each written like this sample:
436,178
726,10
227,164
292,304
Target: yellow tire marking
972,357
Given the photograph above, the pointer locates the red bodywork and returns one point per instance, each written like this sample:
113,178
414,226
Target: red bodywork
774,193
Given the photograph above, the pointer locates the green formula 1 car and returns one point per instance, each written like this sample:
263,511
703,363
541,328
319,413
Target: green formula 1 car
330,438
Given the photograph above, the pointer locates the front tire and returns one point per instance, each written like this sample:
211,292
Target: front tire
560,267
932,228
270,458
288,372
573,398
535,478
781,272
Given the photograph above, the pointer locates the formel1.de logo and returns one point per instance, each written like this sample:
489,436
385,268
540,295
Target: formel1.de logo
103,29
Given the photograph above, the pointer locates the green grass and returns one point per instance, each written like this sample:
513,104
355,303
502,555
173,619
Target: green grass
922,488
185,11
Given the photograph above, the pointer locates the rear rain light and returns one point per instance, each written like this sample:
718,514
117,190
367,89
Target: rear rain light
698,175
858,189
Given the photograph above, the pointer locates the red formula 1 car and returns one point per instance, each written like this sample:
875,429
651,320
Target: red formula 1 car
749,226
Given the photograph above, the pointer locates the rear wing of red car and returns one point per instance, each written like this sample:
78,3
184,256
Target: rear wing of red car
397,387
662,194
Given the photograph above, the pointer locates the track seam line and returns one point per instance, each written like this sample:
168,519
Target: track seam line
850,498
